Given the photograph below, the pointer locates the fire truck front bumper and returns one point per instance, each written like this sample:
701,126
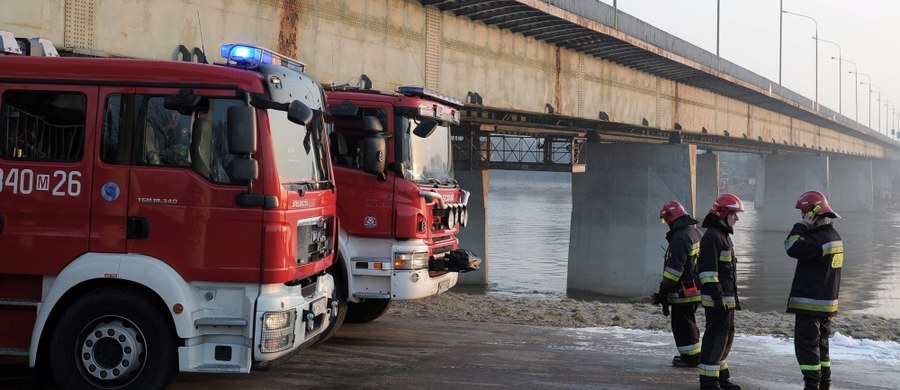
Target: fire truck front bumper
459,260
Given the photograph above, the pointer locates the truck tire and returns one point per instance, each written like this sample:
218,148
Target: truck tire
367,311
113,338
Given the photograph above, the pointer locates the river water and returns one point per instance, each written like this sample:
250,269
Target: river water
528,245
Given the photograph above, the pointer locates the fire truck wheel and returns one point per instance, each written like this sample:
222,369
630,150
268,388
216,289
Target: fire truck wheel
367,311
112,337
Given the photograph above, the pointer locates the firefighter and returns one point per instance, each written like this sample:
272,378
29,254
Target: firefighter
718,289
814,292
679,285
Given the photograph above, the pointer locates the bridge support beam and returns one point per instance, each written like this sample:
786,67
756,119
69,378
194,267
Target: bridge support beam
851,184
615,234
783,179
707,183
883,172
474,235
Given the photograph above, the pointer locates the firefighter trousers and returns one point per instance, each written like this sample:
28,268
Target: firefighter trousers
811,347
684,328
717,340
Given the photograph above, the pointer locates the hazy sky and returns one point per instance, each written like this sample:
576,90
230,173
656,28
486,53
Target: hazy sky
868,32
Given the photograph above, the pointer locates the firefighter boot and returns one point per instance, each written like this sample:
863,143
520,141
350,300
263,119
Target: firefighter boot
725,383
825,379
811,380
686,361
709,383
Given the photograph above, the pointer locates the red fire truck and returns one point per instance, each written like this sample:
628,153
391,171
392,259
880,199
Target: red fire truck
398,204
162,216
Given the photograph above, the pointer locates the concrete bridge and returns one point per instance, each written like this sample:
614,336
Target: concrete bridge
567,85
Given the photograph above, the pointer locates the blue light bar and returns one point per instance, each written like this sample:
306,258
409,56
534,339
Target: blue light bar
421,91
251,57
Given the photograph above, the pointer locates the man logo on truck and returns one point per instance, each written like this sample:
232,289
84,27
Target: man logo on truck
110,191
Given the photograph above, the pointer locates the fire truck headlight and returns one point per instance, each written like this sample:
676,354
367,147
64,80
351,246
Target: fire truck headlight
273,320
451,217
409,261
277,331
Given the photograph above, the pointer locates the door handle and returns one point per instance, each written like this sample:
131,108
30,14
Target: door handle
138,228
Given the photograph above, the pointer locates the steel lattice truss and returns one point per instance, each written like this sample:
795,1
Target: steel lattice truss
476,149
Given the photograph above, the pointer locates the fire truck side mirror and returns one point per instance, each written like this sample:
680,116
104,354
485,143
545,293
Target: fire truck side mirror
241,130
299,113
425,128
374,154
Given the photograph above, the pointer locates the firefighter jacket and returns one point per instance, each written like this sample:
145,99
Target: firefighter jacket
718,277
680,272
820,256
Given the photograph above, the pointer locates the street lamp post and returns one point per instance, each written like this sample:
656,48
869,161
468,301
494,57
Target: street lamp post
877,104
855,87
868,102
888,106
840,111
816,37
886,121
877,88
780,28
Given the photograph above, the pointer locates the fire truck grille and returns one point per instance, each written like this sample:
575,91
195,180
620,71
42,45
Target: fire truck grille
315,238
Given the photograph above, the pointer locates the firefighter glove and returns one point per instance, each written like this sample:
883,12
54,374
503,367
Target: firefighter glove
660,299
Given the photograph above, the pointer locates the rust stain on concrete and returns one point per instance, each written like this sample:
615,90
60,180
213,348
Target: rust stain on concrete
287,28
557,88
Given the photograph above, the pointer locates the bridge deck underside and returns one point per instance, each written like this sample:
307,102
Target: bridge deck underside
491,138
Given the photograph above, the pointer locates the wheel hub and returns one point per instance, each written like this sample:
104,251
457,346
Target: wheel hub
112,350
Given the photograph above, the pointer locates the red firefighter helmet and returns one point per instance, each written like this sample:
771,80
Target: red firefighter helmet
725,204
815,201
671,211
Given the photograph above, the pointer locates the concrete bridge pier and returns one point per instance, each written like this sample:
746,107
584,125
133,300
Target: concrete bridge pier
617,242
783,179
883,172
474,235
707,183
851,184
759,189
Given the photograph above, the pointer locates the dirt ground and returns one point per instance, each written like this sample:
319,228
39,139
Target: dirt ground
460,341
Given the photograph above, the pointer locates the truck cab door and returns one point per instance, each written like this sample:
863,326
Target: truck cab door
182,206
365,200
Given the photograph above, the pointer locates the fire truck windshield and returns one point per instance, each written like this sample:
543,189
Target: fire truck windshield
429,159
300,152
